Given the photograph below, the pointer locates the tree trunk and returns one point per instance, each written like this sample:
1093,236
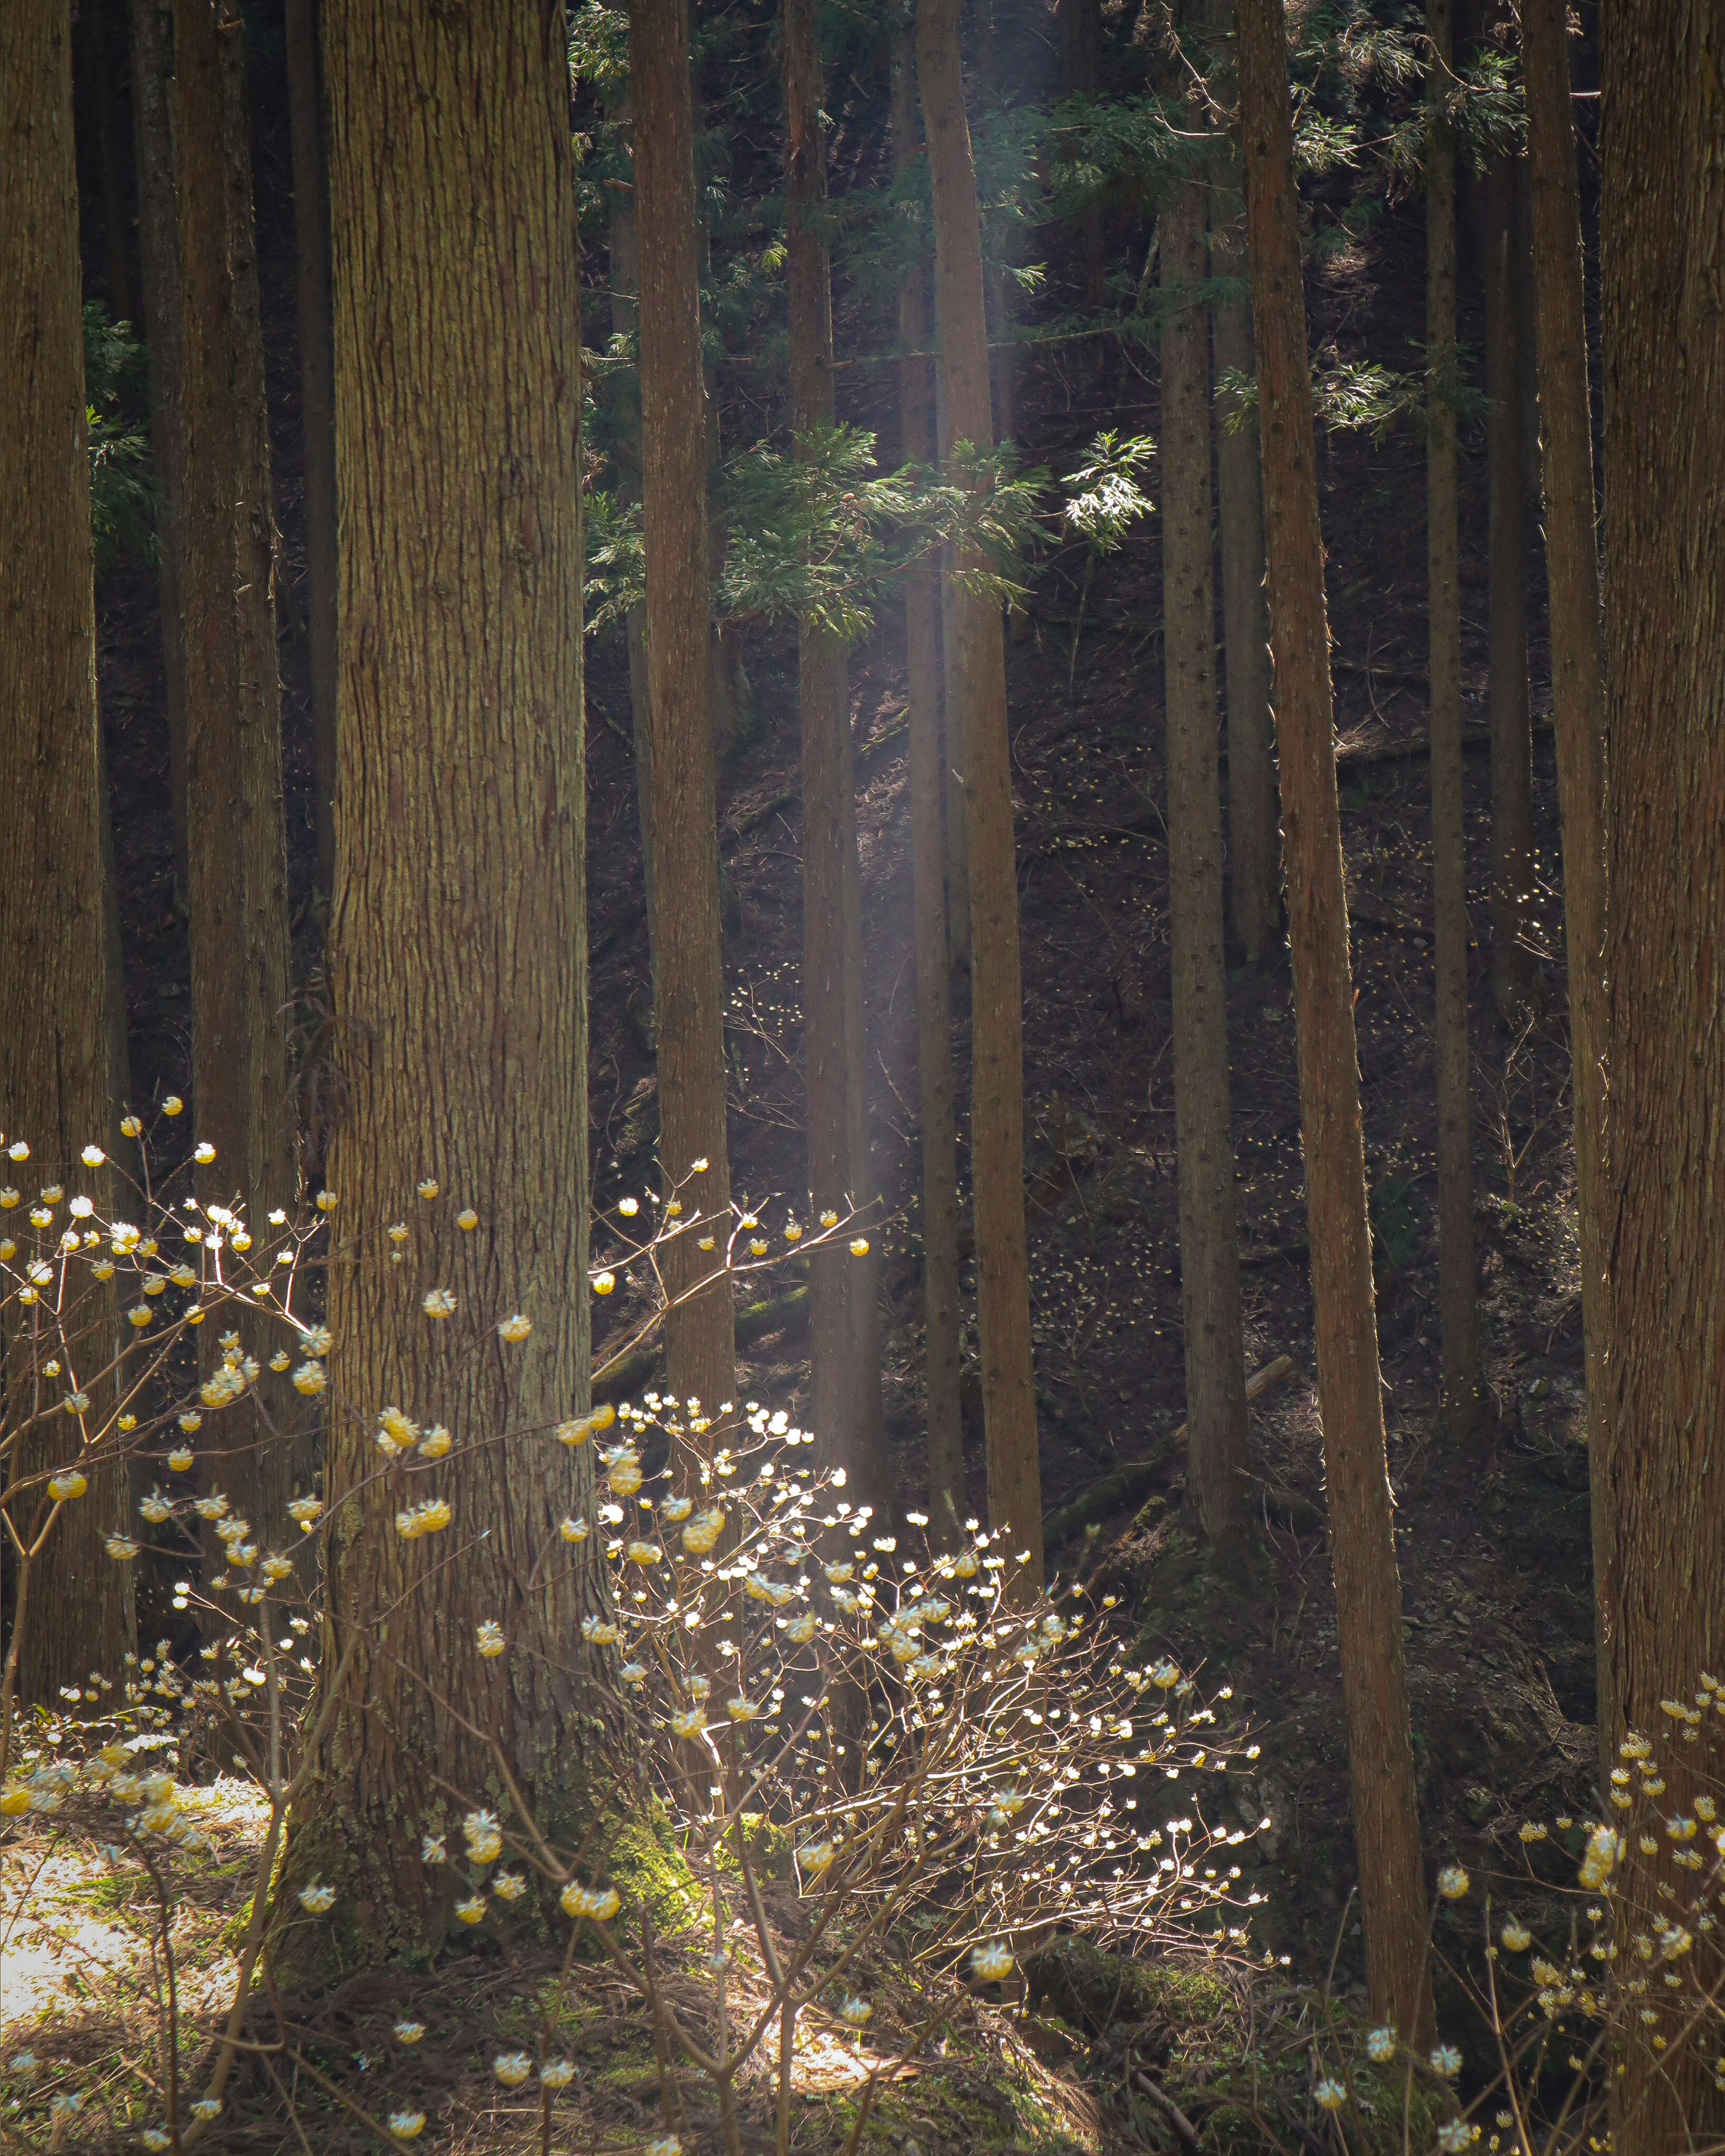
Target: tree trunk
997,1013
952,742
318,421
1254,839
946,1505
1254,833
1577,702
623,391
846,1392
1218,1495
1080,26
57,1079
1458,1301
1362,1537
102,37
237,891
460,999
999,284
1662,212
159,254
1514,975
689,987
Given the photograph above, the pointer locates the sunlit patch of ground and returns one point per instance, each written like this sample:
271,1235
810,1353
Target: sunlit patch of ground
89,1965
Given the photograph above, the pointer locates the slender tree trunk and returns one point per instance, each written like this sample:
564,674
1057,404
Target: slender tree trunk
103,43
689,987
1662,216
1362,1536
999,284
847,1392
1579,727
159,254
1254,839
951,740
1514,976
624,251
997,994
317,418
1458,1301
57,1079
1080,26
1218,1495
238,889
1253,835
934,1014
460,999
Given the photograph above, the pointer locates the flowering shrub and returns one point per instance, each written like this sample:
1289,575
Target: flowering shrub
1618,1973
845,1739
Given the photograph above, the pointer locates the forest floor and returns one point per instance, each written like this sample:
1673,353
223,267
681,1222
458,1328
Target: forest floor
1493,1541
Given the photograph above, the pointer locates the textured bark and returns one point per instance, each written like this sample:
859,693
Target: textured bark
1217,1493
934,1014
1514,974
1386,1820
317,416
689,1005
1458,1301
457,937
1577,703
237,885
626,421
57,1080
104,39
997,1136
1254,833
159,255
951,740
847,1410
999,284
1661,244
1081,28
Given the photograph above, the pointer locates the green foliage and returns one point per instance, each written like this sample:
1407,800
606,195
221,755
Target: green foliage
616,559
1106,496
122,490
816,531
598,45
1359,395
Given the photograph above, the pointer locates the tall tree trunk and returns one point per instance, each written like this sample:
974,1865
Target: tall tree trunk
1458,1301
159,254
846,1392
56,1077
1254,839
238,889
934,1014
626,420
1218,1496
951,740
317,415
103,42
1514,976
1253,835
1578,700
997,1139
1662,216
1080,26
999,284
461,999
1369,1603
690,986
